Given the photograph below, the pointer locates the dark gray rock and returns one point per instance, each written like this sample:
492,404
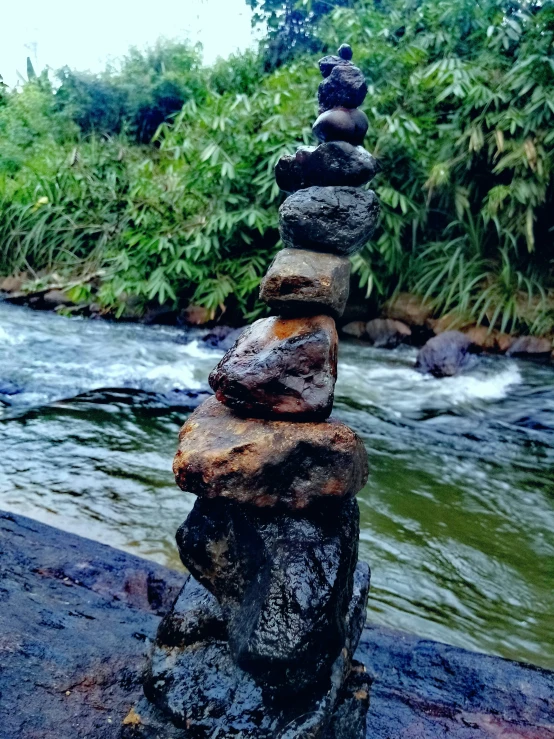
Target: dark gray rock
333,163
445,355
345,51
341,124
108,604
340,220
284,583
387,333
281,368
345,87
300,282
328,63
268,463
222,337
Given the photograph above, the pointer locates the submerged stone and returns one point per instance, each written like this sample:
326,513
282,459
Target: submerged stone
281,367
302,282
339,220
387,333
341,124
267,463
333,163
345,87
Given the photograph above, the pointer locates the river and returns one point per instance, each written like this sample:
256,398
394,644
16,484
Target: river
457,520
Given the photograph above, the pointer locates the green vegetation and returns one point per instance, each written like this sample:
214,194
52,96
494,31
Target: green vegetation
155,181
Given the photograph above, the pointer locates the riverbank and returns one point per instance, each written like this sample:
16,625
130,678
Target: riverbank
78,617
405,319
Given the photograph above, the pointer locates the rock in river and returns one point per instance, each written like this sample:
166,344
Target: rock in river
345,87
303,282
445,355
339,220
333,163
267,463
341,124
281,367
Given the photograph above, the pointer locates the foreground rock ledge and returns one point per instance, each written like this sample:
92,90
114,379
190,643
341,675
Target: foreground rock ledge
78,617
267,463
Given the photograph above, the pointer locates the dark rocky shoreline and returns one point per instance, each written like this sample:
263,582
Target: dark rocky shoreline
78,617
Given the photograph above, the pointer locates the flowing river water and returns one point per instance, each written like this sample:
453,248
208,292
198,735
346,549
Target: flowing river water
457,520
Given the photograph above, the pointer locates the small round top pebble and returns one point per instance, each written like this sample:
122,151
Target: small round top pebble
345,52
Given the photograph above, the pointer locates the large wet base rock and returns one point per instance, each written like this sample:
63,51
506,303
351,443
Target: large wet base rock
268,463
283,583
76,625
281,368
198,686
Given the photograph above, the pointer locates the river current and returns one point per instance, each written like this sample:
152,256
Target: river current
457,520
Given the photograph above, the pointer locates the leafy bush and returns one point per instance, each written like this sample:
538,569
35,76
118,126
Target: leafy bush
461,106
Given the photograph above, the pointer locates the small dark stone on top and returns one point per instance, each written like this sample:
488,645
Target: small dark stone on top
345,52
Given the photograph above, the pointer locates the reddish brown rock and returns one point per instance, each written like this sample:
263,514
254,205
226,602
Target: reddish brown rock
267,463
529,345
281,368
341,124
302,282
357,329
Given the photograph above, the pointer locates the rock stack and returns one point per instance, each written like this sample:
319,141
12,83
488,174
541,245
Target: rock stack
260,642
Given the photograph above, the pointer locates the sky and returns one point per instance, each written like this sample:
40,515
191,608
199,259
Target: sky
86,35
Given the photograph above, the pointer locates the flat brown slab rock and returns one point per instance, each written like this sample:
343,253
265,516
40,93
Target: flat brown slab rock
301,282
281,367
267,462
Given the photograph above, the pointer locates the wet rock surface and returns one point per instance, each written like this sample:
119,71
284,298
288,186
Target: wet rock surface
445,355
203,688
300,282
387,333
341,124
339,220
284,584
344,87
281,367
326,165
267,463
530,345
79,616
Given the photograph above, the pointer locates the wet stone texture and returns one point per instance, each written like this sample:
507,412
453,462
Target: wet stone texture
344,87
294,618
267,463
284,583
333,163
341,124
339,220
301,282
281,367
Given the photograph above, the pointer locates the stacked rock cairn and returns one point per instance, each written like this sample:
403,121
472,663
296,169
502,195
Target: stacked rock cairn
261,640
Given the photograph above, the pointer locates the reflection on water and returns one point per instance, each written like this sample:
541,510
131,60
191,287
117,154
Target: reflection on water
457,519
